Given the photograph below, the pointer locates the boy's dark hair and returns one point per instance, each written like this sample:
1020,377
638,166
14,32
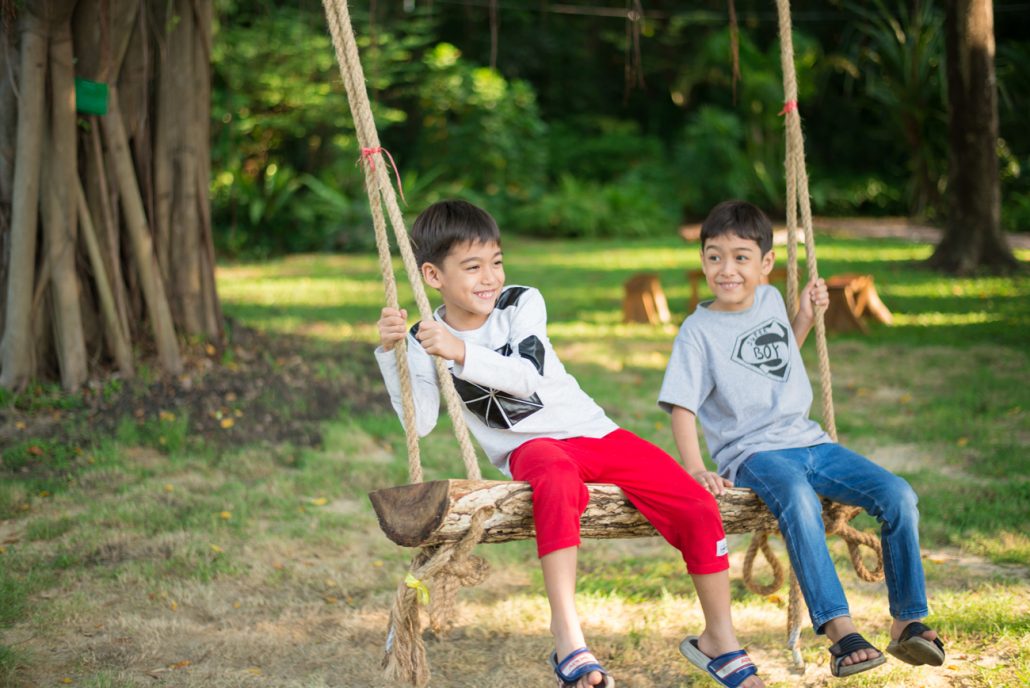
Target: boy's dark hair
739,218
446,223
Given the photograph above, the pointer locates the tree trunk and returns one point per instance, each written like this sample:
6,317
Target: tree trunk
54,317
8,124
142,244
175,168
973,238
438,512
116,335
59,212
16,364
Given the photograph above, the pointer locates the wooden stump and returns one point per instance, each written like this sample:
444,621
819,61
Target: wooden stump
438,512
852,298
645,301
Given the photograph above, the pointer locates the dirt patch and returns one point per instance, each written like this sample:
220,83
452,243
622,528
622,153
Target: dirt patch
267,388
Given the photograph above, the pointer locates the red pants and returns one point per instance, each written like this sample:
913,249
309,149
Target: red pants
672,501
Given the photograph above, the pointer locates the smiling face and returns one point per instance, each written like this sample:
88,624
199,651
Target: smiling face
470,279
734,267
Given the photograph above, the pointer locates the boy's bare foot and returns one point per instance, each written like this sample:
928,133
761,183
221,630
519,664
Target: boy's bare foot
836,629
713,646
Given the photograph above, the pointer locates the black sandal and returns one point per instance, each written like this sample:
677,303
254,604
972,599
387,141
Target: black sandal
912,648
852,642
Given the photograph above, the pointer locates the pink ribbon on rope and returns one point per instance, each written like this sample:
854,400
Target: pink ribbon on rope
789,106
368,154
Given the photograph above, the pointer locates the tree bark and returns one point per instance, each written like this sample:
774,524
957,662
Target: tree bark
175,167
59,216
8,126
52,318
438,512
16,358
139,235
973,239
114,332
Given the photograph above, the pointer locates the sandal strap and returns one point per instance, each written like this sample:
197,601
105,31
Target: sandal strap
576,664
852,642
917,628
732,668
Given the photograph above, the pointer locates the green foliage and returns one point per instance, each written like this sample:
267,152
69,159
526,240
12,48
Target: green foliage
600,148
626,207
479,132
834,193
555,125
283,135
715,163
1013,70
733,142
900,53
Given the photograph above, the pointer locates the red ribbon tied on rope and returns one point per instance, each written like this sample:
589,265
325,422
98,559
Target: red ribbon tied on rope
368,154
789,106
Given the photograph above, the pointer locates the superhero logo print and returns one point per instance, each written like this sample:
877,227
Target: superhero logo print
496,408
765,350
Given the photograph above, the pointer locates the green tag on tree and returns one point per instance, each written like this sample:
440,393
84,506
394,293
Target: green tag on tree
90,97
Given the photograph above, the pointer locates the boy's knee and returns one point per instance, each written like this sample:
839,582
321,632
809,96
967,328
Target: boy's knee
903,499
801,504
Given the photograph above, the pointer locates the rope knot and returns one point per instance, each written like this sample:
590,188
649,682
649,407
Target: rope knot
789,106
368,155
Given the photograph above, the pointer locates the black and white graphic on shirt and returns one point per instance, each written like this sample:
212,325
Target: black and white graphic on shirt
499,409
765,350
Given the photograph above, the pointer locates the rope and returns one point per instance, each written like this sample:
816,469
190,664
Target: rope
448,567
380,191
837,515
798,176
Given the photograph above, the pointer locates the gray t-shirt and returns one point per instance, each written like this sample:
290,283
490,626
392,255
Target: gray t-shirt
741,373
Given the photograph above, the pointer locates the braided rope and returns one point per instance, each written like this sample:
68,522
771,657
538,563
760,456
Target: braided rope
794,602
837,516
446,567
381,191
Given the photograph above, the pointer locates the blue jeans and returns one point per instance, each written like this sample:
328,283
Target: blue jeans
790,482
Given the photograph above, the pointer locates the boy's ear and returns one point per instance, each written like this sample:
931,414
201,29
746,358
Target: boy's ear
768,261
431,275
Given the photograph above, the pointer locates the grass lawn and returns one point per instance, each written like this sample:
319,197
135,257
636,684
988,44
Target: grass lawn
148,552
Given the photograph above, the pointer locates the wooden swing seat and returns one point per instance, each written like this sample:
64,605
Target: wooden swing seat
440,512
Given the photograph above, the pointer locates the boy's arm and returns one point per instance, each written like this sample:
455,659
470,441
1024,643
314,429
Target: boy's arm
814,295
425,390
684,431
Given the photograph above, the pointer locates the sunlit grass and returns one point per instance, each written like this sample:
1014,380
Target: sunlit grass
339,297
946,319
158,551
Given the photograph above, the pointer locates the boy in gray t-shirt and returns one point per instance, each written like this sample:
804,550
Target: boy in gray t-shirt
736,365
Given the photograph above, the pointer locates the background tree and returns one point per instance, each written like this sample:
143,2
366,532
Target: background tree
119,188
973,238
